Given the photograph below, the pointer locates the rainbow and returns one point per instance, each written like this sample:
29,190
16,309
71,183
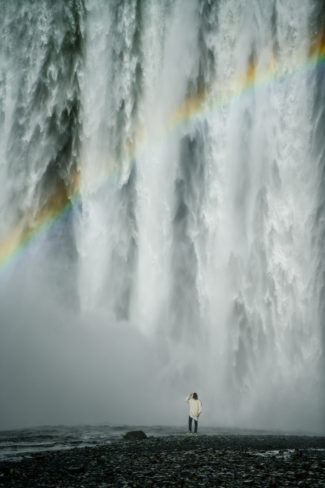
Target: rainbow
205,102
29,229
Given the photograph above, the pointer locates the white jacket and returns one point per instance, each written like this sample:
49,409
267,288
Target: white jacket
195,406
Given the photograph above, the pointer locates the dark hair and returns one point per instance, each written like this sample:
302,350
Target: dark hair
195,396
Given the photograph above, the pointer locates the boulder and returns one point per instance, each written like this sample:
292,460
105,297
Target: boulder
135,435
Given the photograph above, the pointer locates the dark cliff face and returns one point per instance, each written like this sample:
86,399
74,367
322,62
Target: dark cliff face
42,52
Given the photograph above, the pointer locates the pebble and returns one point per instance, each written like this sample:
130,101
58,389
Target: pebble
177,461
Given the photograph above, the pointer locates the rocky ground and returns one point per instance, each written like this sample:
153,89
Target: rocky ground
177,461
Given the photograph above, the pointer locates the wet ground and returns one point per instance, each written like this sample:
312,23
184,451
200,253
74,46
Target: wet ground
179,461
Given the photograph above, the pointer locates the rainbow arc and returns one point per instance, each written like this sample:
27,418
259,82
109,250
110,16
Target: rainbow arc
64,198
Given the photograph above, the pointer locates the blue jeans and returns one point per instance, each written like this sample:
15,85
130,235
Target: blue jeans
190,424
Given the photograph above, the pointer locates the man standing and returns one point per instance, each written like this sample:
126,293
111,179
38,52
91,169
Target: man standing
195,410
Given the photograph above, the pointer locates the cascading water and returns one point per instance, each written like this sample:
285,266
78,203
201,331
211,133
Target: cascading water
162,175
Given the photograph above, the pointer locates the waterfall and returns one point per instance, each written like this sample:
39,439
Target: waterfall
162,174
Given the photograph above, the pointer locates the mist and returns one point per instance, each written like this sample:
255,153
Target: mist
162,213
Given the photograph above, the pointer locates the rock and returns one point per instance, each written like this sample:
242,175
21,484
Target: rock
135,435
75,469
171,462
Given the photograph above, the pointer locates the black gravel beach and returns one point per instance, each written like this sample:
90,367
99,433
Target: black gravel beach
180,461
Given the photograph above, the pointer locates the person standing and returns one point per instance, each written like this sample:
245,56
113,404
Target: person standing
195,410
